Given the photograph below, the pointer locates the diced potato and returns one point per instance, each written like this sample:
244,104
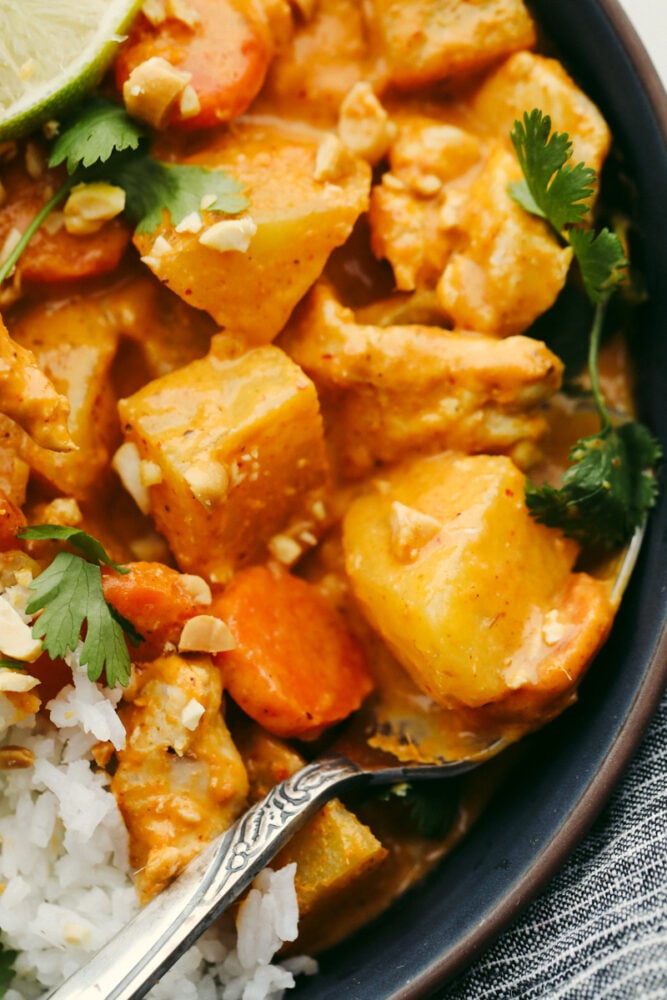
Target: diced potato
75,342
299,221
180,780
331,852
526,81
487,610
387,391
239,450
510,267
428,40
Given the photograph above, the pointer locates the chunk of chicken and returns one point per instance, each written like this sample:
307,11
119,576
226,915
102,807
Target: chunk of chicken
386,391
180,780
428,40
30,398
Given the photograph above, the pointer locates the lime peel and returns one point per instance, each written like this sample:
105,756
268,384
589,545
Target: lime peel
51,55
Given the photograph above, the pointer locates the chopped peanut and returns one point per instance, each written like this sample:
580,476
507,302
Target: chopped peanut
152,90
89,206
230,234
206,634
364,125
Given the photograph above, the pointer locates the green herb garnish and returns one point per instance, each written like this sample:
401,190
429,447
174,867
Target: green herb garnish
70,595
101,142
7,972
610,486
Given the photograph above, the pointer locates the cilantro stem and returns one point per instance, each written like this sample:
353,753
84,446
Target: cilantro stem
593,353
8,266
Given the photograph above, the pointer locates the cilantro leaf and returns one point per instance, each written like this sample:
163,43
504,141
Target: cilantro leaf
151,187
7,972
89,546
552,188
96,131
69,595
608,490
602,261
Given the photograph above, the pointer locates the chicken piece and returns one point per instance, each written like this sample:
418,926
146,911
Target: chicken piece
387,391
526,81
30,398
236,450
313,70
428,40
484,607
180,780
510,266
430,169
249,272
75,343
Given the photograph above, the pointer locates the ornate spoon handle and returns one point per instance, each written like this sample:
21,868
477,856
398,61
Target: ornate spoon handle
136,958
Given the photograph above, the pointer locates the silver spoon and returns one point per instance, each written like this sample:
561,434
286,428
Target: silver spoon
135,959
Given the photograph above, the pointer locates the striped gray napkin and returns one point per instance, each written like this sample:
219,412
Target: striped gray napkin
599,931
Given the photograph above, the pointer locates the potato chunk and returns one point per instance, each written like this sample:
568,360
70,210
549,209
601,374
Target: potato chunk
180,780
486,609
428,40
298,219
332,852
236,452
387,391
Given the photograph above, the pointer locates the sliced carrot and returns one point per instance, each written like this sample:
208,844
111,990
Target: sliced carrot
53,254
12,520
157,600
226,49
296,667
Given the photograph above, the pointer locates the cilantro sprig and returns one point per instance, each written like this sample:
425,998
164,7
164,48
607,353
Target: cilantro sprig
70,597
610,486
7,971
101,142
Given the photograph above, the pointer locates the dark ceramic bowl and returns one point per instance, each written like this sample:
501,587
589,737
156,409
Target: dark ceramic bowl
559,787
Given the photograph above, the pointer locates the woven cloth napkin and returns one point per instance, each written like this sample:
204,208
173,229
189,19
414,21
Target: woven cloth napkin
599,931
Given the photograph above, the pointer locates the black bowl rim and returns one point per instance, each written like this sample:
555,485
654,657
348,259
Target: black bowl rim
636,721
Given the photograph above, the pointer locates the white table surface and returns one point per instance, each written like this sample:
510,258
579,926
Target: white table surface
649,18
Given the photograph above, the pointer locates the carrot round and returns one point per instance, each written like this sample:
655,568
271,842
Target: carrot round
296,667
53,254
12,520
156,599
226,48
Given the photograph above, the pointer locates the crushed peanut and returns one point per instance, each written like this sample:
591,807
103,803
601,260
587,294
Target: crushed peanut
333,160
285,549
153,89
206,634
410,531
229,234
364,126
16,642
127,464
197,587
209,481
89,206
15,757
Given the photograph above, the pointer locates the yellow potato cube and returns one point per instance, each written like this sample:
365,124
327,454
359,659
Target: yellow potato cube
250,272
236,453
485,609
428,40
332,852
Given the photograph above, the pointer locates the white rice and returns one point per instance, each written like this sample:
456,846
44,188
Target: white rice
68,885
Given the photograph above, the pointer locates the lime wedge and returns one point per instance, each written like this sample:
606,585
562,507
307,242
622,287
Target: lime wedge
51,53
